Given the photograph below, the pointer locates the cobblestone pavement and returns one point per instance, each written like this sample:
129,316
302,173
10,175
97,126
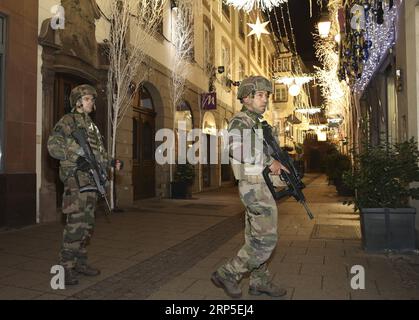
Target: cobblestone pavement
167,249
145,278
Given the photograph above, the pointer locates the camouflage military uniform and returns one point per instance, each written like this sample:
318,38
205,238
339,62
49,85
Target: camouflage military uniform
79,207
261,211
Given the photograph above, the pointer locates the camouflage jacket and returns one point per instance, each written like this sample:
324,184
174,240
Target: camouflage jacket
62,146
246,146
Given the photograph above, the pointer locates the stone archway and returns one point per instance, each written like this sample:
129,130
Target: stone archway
146,122
143,145
66,57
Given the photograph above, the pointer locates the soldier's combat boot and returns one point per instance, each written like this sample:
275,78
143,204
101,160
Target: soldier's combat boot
270,289
231,287
70,277
87,270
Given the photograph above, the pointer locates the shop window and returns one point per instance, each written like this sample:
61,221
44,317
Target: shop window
281,93
146,101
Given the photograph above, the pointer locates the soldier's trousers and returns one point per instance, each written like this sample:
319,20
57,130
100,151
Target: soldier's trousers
260,235
80,211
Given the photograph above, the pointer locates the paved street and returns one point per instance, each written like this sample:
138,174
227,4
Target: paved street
167,249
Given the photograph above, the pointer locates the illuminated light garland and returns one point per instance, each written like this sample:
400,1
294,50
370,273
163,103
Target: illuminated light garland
335,92
318,127
299,80
292,41
306,87
309,111
334,120
249,5
383,37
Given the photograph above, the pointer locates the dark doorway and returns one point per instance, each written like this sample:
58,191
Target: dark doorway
315,160
143,165
208,169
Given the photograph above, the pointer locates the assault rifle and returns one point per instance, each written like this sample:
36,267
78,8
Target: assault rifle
88,163
292,179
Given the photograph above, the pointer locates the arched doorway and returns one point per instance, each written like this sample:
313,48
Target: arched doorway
143,146
209,131
60,73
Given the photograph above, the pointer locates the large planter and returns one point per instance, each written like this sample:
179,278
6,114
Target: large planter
180,190
388,229
342,189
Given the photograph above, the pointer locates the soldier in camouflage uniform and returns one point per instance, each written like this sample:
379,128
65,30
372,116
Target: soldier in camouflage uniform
79,207
260,207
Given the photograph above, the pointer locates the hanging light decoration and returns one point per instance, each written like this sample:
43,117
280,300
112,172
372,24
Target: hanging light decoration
308,110
294,89
299,80
258,28
249,5
324,25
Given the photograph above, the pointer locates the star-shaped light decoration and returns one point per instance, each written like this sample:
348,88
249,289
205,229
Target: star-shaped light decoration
249,5
258,28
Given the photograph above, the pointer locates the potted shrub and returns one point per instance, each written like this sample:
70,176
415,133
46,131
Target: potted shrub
328,162
382,177
342,164
183,180
336,164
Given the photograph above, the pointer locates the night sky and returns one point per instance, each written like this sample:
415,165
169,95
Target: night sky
303,25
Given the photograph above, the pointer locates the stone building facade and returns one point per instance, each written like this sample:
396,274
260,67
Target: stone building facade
18,78
75,54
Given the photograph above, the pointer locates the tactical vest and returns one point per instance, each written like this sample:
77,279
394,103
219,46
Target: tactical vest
245,171
93,134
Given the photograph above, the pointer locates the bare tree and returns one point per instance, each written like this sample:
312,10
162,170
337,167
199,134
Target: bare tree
133,26
183,53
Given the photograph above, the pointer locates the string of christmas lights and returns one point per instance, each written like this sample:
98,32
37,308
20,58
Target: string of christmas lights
369,30
383,37
306,87
335,92
298,67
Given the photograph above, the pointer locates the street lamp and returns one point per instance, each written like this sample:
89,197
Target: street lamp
324,24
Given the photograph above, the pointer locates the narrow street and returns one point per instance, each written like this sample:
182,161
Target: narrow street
167,249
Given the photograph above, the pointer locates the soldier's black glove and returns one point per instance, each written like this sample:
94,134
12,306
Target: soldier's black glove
82,164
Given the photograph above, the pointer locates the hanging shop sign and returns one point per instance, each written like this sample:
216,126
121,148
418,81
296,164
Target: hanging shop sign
209,101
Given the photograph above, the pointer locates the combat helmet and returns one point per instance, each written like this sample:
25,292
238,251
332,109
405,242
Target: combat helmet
253,84
80,91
